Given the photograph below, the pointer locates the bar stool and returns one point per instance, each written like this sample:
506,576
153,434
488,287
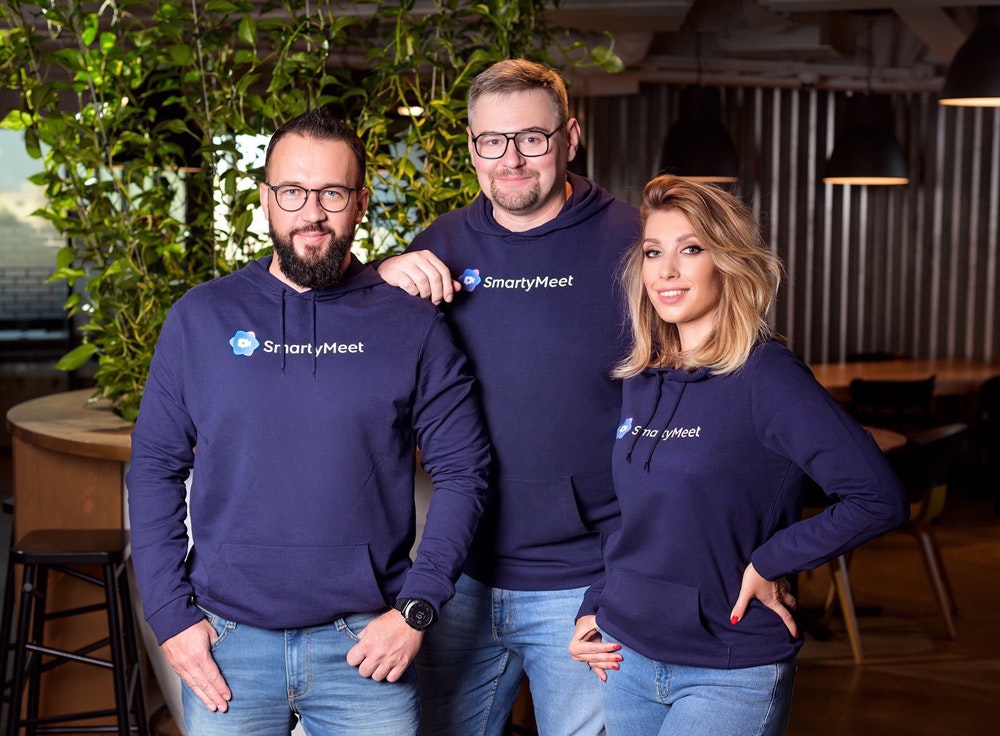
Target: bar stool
65,550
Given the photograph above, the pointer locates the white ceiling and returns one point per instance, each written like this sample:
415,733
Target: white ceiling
832,44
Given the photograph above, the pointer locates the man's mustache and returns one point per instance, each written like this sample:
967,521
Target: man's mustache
312,229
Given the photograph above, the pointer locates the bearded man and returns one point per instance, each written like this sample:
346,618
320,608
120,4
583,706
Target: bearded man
296,392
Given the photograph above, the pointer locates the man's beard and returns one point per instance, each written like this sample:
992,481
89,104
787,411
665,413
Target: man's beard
322,273
514,202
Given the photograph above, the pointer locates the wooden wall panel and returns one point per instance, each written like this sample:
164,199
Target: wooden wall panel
911,269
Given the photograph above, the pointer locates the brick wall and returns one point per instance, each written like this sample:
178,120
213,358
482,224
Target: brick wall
27,259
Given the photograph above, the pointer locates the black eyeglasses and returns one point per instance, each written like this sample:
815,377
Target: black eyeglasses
291,198
528,143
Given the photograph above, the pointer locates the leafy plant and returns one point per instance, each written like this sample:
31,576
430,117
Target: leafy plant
148,117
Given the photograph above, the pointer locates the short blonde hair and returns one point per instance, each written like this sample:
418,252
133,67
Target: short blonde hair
512,76
750,276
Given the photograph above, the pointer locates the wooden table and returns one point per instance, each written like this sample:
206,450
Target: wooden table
886,439
68,461
951,377
68,457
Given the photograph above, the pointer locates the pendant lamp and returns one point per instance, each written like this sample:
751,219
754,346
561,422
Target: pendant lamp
698,146
973,79
866,151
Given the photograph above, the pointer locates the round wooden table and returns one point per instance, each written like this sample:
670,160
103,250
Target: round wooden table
886,439
69,457
952,377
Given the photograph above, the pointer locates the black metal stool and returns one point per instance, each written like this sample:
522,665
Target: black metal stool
65,550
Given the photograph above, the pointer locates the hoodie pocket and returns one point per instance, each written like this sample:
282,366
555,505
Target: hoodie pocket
664,619
532,515
296,586
596,502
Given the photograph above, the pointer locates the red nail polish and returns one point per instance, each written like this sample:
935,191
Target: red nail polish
734,620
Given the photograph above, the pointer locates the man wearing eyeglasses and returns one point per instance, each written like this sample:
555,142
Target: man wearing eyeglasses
525,275
298,389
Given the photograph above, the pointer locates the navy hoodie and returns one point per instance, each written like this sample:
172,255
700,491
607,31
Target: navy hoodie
710,473
299,414
541,321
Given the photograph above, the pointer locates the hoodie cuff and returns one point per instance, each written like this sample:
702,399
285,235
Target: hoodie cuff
173,618
589,605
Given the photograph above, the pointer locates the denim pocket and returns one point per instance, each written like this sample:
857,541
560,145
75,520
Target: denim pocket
222,626
354,624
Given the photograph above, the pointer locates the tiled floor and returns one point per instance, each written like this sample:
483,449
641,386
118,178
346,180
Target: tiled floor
914,680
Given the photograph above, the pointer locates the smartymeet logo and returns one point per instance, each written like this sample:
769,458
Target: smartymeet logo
244,343
624,428
472,278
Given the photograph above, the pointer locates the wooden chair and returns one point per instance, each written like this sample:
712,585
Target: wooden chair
923,466
989,404
903,406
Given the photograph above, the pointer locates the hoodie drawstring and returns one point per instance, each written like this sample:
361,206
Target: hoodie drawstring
315,346
666,426
284,345
283,351
656,405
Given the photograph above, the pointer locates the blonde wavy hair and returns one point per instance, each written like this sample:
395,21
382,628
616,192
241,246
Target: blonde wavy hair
749,271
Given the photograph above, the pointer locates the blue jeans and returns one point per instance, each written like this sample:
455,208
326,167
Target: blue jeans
473,661
649,698
277,676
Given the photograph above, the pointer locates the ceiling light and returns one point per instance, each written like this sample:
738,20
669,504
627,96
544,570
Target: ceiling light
698,146
973,78
866,151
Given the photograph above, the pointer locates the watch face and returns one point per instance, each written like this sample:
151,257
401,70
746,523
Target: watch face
418,614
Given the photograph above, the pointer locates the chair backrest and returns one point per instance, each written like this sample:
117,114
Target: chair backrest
924,465
904,406
989,402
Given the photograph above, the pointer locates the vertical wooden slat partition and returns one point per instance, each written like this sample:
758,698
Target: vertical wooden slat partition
910,269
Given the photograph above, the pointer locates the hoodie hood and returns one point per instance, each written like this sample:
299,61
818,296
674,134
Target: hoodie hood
586,200
357,276
667,386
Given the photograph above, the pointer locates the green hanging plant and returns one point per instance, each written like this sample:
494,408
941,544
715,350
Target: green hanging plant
148,118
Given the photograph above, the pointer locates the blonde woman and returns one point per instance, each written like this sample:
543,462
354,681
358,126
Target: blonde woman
691,627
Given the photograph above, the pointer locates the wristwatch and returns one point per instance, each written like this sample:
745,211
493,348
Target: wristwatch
417,612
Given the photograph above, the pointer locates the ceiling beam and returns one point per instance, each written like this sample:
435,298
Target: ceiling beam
658,16
816,6
936,28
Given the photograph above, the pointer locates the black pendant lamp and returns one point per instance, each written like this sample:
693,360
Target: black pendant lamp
973,79
866,151
698,146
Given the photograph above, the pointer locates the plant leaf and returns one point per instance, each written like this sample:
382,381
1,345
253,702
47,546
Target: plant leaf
76,357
